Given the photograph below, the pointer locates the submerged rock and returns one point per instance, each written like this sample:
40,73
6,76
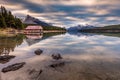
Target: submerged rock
38,51
7,58
34,74
13,67
58,64
56,56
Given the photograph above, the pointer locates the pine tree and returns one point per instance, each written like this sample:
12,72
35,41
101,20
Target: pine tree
3,11
8,20
18,24
2,22
11,21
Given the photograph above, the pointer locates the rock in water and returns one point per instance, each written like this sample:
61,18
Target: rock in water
56,56
38,51
13,67
34,74
6,58
58,64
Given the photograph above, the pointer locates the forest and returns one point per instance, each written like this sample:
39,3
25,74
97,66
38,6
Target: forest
8,20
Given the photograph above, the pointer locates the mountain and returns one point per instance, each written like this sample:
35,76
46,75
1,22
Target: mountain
31,20
80,27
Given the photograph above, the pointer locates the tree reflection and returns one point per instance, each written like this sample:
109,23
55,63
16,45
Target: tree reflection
7,45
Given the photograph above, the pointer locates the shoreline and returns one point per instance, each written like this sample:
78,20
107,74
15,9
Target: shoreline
10,31
101,30
53,31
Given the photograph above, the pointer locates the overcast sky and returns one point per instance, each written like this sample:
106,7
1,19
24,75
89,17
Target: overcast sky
67,12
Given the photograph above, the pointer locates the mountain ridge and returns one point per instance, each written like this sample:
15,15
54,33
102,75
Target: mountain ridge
80,27
32,20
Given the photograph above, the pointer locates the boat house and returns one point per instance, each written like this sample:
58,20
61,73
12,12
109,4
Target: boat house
33,29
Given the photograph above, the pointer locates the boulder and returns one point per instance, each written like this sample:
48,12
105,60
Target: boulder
13,67
56,56
38,51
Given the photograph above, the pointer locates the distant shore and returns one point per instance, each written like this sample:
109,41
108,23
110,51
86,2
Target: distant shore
50,31
101,30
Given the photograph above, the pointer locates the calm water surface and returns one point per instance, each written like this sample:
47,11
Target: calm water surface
86,56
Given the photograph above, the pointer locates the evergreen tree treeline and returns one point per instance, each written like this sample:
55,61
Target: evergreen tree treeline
7,20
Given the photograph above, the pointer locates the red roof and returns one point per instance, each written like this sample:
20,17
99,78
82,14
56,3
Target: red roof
33,27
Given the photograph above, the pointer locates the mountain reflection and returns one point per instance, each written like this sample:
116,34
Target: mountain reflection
33,39
8,43
79,34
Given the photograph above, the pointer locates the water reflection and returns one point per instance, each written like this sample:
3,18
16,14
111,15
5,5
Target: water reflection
33,39
8,44
110,34
81,34
92,34
84,57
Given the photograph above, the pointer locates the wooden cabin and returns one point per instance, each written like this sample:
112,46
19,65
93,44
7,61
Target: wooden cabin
33,29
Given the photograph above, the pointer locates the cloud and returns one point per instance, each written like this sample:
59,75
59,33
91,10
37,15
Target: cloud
67,12
74,2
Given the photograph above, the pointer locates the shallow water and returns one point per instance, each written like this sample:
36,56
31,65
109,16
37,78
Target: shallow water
85,56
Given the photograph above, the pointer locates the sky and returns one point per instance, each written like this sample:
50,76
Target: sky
67,13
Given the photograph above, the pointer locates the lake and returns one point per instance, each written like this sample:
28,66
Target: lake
86,56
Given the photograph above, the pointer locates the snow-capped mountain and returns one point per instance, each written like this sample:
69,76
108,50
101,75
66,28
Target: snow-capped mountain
80,27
